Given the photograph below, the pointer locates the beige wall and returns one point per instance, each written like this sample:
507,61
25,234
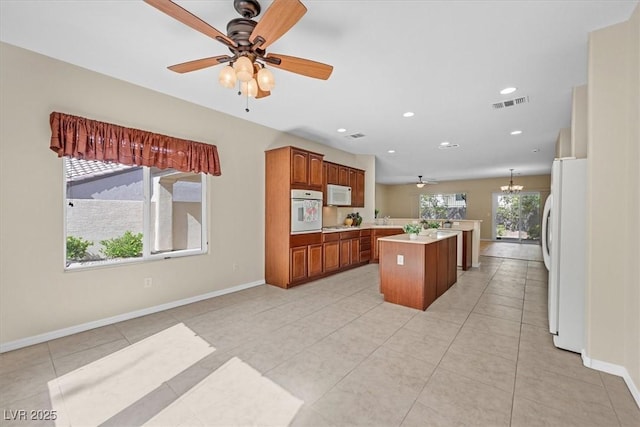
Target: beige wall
36,295
401,201
613,289
563,143
579,122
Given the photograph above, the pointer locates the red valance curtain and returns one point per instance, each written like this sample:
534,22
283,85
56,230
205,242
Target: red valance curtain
87,139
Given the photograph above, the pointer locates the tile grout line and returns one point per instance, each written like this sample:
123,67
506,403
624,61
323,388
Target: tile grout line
444,353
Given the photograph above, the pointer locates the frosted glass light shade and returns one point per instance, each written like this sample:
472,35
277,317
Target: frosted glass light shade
227,77
266,81
249,88
244,69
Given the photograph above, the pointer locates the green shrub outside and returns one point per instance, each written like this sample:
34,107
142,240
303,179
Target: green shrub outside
128,245
77,248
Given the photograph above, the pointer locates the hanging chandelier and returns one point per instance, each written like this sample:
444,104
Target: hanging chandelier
511,188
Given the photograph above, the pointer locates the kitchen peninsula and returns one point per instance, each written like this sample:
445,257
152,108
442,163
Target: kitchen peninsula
414,273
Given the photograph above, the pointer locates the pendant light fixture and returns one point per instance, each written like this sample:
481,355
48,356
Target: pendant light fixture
511,188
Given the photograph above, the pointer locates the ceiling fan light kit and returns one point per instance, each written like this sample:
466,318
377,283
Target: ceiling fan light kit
248,40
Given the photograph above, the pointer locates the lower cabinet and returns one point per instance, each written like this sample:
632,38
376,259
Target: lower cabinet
331,252
365,245
376,234
314,258
305,257
298,263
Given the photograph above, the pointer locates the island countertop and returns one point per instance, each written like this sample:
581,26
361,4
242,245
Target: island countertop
421,240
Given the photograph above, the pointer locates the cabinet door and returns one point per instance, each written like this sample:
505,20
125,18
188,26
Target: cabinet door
331,255
343,175
345,253
298,263
352,179
452,268
299,167
315,260
315,171
325,176
332,174
358,190
442,270
355,251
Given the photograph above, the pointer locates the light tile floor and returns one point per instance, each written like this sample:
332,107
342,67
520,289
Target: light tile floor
328,353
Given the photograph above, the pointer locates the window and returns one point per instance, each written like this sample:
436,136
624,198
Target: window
443,206
117,213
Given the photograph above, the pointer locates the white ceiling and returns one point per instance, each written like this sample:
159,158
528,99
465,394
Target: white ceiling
444,60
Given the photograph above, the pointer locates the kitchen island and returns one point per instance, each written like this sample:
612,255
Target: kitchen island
414,273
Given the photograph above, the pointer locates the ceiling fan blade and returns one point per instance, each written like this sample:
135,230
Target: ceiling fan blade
306,67
277,20
199,64
187,18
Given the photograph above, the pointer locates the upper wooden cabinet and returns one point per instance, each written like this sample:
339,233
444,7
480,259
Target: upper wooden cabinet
357,189
332,173
351,177
306,170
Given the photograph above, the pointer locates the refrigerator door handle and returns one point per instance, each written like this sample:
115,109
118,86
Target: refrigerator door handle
546,217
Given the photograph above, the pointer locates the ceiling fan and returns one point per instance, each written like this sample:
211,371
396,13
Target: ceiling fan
248,40
421,183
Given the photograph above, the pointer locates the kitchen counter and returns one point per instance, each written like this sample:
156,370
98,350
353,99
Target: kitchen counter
421,240
414,273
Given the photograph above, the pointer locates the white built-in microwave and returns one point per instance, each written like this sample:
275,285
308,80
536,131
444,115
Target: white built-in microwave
338,195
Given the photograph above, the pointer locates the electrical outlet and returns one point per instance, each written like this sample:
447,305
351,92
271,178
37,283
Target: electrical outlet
400,259
236,267
148,282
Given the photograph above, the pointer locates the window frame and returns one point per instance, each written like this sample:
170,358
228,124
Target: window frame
462,194
147,183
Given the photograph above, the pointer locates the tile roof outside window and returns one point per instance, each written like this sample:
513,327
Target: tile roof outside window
78,169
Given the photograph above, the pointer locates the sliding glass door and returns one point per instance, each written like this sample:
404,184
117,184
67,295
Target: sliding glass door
516,217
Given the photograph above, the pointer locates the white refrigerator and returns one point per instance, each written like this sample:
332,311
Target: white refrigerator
564,226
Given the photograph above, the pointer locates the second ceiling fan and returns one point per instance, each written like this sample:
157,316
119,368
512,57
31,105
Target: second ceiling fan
247,41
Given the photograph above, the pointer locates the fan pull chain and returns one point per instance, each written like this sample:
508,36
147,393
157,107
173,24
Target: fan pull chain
247,107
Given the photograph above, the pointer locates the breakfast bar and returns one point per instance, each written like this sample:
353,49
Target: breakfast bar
414,272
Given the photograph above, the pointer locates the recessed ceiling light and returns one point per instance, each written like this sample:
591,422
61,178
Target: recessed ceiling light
408,114
507,90
516,132
342,130
445,143
535,150
391,151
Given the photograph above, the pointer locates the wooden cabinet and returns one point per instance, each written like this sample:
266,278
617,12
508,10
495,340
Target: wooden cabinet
345,175
357,188
314,264
467,248
306,170
290,259
331,251
305,257
365,245
332,173
349,248
315,171
422,276
376,234
298,263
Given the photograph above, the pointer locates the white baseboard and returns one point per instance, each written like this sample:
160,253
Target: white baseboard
613,369
37,339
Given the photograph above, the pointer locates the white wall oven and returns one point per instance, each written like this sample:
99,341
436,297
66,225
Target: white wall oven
306,211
